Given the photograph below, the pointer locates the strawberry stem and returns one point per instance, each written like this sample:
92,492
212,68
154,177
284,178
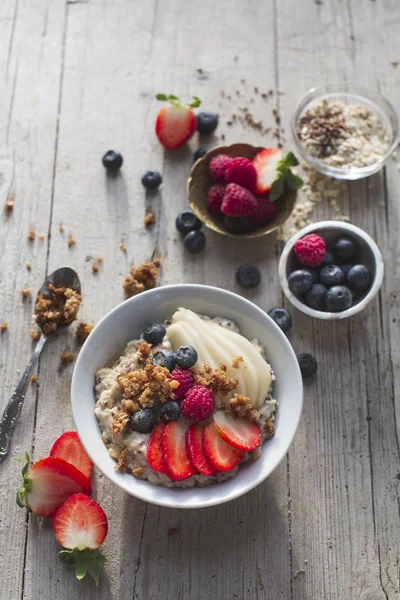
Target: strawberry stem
27,483
84,561
194,103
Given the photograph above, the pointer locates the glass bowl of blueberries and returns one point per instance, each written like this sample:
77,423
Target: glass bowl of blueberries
331,270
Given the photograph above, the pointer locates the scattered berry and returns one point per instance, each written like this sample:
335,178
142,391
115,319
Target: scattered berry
199,153
238,225
69,447
310,250
194,241
308,365
215,197
194,446
198,403
144,420
175,124
315,297
338,298
359,278
112,161
266,163
239,433
242,171
238,202
154,334
155,452
179,465
264,212
248,276
329,259
187,221
300,281
281,317
218,167
331,275
186,357
344,248
151,180
221,455
185,379
207,123
170,411
164,358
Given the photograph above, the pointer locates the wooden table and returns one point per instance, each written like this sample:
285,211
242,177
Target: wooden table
78,77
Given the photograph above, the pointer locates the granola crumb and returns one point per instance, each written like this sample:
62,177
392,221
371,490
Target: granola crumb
123,462
71,240
60,305
29,265
99,259
31,235
149,219
41,237
216,381
269,429
236,361
9,205
26,293
141,278
66,358
3,326
241,407
123,247
95,267
138,472
83,330
35,335
120,421
61,228
34,379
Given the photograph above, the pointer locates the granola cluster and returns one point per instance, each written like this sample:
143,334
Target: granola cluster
83,330
142,386
241,407
215,380
142,278
60,306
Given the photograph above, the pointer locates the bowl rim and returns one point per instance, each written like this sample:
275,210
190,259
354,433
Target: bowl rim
341,226
338,172
237,492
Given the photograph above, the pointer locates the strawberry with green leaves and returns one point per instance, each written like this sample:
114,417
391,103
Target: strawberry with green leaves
274,171
176,122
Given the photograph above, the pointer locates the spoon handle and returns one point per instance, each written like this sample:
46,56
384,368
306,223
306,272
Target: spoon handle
13,408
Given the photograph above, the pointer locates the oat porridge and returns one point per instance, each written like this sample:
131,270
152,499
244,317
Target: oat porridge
187,403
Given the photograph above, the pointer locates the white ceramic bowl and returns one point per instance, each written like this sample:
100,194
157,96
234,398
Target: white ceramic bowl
124,323
368,254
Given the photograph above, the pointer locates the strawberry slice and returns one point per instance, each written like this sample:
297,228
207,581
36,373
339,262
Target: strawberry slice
220,454
69,447
80,525
49,483
195,450
177,460
241,434
176,123
266,163
155,454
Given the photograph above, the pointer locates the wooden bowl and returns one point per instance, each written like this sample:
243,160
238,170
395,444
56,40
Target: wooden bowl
200,182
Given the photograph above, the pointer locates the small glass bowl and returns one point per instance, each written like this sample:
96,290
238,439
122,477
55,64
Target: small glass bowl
352,94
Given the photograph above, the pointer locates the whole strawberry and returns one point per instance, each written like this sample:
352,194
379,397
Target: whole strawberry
218,167
242,171
176,122
310,250
215,197
238,202
264,212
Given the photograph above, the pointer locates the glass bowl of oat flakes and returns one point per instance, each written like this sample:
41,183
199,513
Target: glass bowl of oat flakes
346,134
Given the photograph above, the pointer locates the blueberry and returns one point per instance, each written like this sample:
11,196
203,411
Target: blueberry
314,273
315,297
308,365
344,248
151,180
112,161
248,276
170,411
338,298
144,420
238,224
154,334
199,153
207,123
186,357
187,221
300,281
194,241
359,278
282,318
329,259
164,358
331,275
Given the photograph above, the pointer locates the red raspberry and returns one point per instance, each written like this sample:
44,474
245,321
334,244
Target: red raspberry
310,250
215,197
198,403
238,202
185,378
242,171
265,211
218,167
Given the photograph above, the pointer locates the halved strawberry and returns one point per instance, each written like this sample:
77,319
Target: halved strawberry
69,447
48,483
155,453
80,525
177,459
195,450
220,454
241,434
176,123
266,163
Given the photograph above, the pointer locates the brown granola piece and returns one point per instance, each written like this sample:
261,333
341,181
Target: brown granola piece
141,278
269,429
29,265
138,472
41,238
236,361
149,218
83,331
35,334
99,259
120,421
66,358
130,406
34,379
216,381
144,353
31,235
3,326
95,267
145,385
241,407
9,205
71,240
26,293
123,247
61,228
123,461
60,306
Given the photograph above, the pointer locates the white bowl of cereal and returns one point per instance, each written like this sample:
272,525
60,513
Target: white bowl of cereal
180,428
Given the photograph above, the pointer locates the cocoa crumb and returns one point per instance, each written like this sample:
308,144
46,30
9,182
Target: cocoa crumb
35,334
66,358
26,293
71,241
29,265
123,247
34,379
216,381
269,429
31,235
236,361
83,331
123,462
3,326
9,205
141,278
138,472
61,228
149,219
241,407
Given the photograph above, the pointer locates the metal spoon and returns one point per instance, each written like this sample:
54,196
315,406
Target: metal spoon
64,277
